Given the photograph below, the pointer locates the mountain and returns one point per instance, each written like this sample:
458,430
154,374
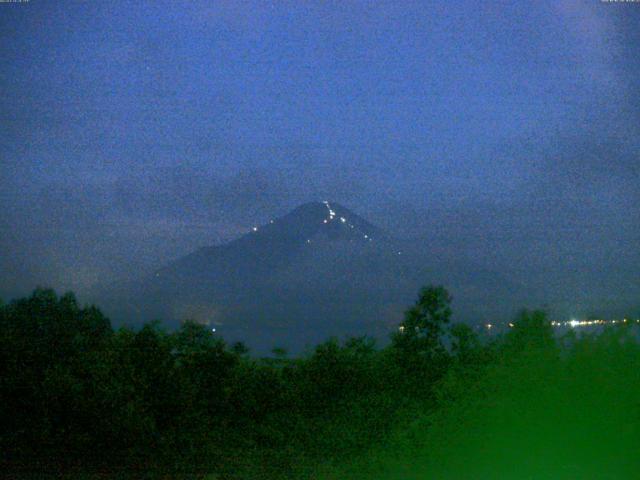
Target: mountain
320,270
271,246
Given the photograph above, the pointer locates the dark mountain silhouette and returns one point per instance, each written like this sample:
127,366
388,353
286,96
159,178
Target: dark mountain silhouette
273,245
320,270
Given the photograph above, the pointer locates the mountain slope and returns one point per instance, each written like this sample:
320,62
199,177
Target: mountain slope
319,270
274,244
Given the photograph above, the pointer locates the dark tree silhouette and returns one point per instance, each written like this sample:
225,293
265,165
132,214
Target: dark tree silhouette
79,398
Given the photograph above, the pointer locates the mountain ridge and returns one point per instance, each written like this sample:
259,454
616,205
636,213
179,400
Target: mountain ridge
297,229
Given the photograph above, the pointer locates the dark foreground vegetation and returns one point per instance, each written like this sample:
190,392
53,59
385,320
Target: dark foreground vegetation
81,400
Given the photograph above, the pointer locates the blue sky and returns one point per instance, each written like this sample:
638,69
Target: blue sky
145,129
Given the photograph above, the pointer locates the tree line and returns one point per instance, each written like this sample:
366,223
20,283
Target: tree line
82,399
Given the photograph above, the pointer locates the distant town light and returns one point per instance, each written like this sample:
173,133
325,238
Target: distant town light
573,323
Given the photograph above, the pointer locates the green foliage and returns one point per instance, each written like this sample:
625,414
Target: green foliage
418,348
239,348
527,410
425,322
531,331
82,400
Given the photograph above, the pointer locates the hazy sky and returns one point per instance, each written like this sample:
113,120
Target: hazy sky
133,132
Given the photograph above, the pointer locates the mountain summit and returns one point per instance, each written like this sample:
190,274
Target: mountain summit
274,244
325,218
311,221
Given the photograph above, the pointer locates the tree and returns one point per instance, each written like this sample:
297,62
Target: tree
464,342
417,346
240,348
531,330
280,352
425,322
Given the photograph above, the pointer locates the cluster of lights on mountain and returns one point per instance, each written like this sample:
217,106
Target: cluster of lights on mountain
330,218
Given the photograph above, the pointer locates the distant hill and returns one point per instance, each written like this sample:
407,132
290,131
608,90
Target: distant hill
320,270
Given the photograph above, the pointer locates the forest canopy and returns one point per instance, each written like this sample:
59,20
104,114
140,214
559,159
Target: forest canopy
82,399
